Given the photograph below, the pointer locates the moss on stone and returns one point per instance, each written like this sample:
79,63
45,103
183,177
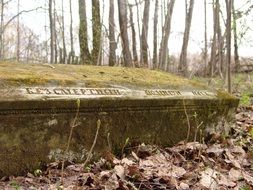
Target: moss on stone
17,74
221,94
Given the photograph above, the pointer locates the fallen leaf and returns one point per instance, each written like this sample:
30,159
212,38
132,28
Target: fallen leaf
134,172
234,174
173,182
208,177
215,149
183,186
173,171
135,156
144,151
238,150
127,161
248,178
225,181
120,171
105,175
233,160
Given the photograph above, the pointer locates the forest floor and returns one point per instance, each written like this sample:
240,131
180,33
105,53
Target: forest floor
221,162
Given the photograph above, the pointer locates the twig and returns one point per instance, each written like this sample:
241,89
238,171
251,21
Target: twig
212,181
70,137
195,136
108,142
124,146
93,145
188,122
189,126
48,65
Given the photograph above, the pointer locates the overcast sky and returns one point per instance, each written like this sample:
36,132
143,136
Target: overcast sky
38,19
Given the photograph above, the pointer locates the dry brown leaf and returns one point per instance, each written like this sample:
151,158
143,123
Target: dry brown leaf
183,186
216,149
208,179
127,161
135,156
234,174
120,171
225,181
233,160
75,167
174,182
248,178
238,150
144,151
112,183
134,172
190,146
105,174
173,171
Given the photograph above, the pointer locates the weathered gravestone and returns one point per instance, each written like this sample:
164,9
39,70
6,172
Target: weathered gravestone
38,104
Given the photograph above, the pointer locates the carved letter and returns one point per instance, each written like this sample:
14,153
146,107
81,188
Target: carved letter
83,91
48,92
76,91
29,91
57,91
148,92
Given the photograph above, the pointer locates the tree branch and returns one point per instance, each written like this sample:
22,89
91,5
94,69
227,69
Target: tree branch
7,2
15,16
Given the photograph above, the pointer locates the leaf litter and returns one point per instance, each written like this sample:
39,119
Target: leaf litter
226,163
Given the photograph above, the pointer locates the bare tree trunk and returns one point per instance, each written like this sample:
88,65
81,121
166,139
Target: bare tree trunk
214,41
83,33
113,44
144,42
18,33
236,54
165,35
55,36
72,54
51,21
139,28
96,31
64,53
228,40
46,36
220,42
155,31
205,34
1,29
101,51
122,6
135,55
182,68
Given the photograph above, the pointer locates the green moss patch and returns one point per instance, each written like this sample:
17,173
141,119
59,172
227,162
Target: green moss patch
17,74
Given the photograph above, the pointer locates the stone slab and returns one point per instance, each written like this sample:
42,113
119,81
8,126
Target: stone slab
38,106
